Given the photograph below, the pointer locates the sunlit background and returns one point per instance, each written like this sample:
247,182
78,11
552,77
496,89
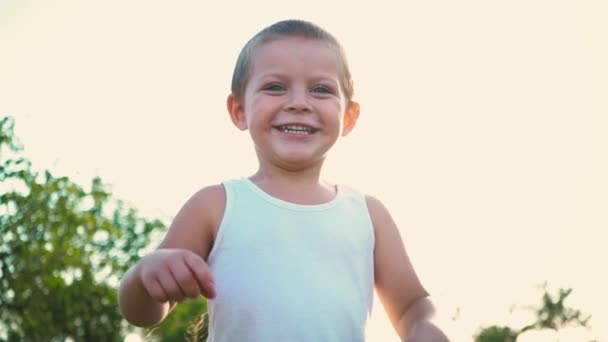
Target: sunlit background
483,128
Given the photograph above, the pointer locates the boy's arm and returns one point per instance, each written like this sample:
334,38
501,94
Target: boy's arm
417,322
189,239
397,284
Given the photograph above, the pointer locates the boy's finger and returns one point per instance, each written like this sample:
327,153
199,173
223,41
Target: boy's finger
202,274
157,292
170,287
184,279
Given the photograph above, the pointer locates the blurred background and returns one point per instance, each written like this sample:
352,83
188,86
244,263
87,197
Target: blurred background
483,129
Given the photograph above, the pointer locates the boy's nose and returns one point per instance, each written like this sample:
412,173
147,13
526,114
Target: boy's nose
298,102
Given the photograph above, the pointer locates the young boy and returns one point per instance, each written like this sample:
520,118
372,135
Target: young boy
283,255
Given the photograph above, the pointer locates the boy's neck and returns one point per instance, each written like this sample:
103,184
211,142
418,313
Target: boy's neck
301,187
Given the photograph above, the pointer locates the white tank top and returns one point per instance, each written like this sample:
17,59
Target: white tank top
291,272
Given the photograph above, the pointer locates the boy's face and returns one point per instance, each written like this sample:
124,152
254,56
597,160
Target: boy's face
294,106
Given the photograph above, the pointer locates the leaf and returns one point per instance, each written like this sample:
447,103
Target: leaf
56,238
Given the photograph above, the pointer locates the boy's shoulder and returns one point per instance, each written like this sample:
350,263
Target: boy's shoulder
211,192
195,224
208,202
351,190
212,198
375,207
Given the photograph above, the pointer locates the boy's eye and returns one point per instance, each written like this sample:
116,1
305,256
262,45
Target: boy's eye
322,89
274,87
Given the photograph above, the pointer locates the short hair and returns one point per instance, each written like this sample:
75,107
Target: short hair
284,29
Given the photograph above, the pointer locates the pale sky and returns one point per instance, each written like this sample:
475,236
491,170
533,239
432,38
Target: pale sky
483,127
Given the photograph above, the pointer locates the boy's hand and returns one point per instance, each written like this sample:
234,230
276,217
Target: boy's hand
176,274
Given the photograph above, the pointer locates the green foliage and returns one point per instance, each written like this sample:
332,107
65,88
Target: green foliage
63,250
551,314
496,334
187,322
554,314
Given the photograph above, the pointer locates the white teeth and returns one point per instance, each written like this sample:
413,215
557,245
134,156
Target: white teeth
296,129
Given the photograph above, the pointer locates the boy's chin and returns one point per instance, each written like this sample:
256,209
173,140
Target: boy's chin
298,161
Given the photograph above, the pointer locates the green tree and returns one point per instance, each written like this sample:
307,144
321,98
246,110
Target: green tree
496,333
63,250
552,314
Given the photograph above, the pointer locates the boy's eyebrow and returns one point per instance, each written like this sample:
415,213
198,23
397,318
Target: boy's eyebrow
271,75
320,77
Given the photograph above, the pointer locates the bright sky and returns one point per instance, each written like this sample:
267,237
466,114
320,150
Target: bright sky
483,127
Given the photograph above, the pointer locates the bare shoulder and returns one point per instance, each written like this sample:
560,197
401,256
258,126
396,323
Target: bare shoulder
385,229
396,280
195,225
211,200
377,211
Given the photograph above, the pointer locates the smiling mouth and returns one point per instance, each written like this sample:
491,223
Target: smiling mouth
297,129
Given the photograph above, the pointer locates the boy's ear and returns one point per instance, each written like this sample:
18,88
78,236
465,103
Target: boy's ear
236,111
350,118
